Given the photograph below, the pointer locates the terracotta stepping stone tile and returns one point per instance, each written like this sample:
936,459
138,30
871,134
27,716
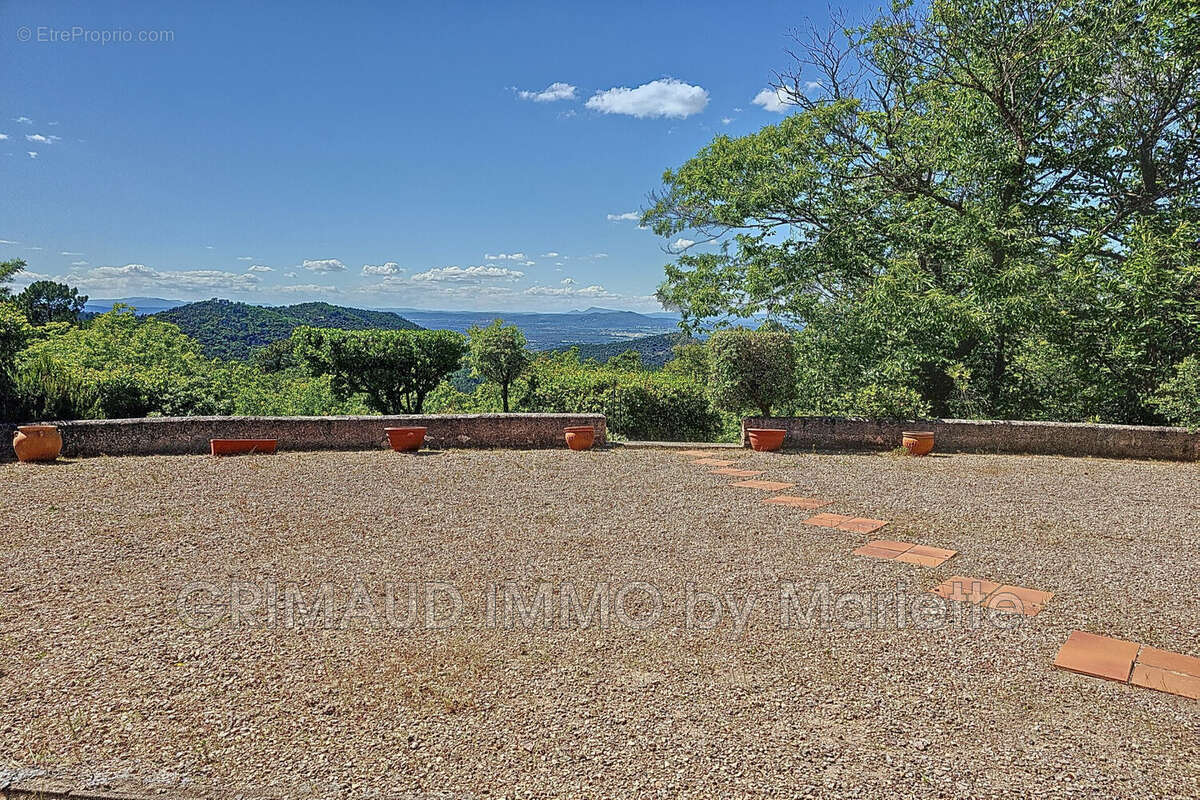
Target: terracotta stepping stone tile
1164,680
696,453
875,552
770,486
1099,656
906,552
826,520
971,590
862,525
896,548
715,462
926,556
739,473
1165,659
809,503
1029,602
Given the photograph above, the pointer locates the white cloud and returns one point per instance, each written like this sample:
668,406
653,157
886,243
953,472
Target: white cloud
306,288
324,265
8,241
593,292
289,274
505,257
628,216
551,254
245,258
567,282
386,268
24,120
469,275
667,97
681,244
139,276
40,139
599,255
259,268
726,120
772,100
69,253
32,153
555,91
79,263
3,136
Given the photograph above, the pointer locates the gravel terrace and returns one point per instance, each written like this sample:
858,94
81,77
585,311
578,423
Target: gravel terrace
108,679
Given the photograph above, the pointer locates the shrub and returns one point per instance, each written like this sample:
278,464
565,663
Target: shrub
638,404
1178,398
752,369
882,401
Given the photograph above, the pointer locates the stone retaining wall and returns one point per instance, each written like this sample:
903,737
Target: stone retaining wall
190,435
988,436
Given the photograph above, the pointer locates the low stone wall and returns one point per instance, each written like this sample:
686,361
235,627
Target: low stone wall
190,435
988,436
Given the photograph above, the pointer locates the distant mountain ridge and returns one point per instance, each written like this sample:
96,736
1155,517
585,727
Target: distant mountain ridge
142,305
226,329
553,331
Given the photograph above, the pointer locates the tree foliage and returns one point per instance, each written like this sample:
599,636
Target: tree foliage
752,369
990,203
8,270
498,353
393,370
48,301
117,366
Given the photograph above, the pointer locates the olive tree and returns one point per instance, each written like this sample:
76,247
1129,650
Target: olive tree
752,369
393,370
498,353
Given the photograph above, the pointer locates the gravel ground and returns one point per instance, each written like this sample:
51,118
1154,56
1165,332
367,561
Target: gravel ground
108,679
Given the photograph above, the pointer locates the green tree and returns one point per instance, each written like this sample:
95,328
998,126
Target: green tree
48,301
752,369
628,360
9,269
393,369
498,353
118,366
955,198
14,334
691,361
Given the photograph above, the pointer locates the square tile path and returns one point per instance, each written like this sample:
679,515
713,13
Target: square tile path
737,473
1130,662
1006,597
844,523
792,501
770,486
907,552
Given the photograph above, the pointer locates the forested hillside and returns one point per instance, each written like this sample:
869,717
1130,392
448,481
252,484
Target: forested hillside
226,329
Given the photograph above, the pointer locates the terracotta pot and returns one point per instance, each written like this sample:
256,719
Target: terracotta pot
405,440
240,447
580,437
37,442
766,439
918,443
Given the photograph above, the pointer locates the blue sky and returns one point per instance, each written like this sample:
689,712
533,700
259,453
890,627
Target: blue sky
431,155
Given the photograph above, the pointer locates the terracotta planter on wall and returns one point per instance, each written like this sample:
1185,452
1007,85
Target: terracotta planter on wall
766,439
37,443
918,443
405,440
580,437
241,447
